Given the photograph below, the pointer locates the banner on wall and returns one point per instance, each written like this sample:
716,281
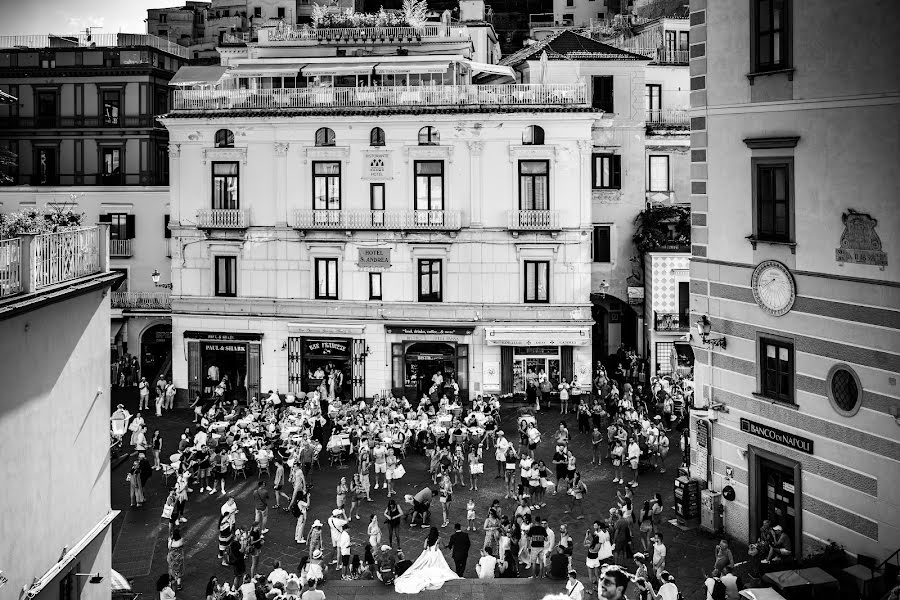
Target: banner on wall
491,375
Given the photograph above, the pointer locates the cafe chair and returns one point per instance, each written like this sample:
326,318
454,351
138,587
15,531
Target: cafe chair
315,460
167,471
239,466
262,464
336,456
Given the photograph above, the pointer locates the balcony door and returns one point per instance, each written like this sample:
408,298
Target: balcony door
326,192
684,303
653,101
47,108
46,168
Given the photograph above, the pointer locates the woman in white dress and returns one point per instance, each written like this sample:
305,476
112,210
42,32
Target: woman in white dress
430,570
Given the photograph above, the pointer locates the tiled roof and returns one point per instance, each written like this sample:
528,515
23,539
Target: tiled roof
568,45
374,111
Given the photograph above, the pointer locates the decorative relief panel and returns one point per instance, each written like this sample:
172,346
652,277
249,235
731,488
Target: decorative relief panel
428,152
216,154
546,152
328,153
607,196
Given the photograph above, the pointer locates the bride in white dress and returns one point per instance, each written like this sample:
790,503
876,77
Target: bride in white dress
430,570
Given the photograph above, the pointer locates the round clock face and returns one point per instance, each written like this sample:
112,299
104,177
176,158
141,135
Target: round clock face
773,287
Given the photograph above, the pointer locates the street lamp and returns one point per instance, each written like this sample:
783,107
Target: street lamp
155,276
704,327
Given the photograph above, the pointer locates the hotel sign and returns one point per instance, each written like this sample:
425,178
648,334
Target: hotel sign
375,258
377,166
776,435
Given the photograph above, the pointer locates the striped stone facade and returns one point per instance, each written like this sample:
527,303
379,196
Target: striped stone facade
839,136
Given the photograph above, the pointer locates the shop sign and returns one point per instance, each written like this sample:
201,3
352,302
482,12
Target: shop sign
427,330
377,165
326,348
635,295
375,257
536,337
162,337
222,336
224,348
776,435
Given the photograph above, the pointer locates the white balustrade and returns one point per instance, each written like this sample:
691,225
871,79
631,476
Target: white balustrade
223,218
439,220
538,220
10,267
120,248
66,255
371,34
668,116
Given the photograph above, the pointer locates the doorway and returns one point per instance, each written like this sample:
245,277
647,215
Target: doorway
156,350
775,494
424,362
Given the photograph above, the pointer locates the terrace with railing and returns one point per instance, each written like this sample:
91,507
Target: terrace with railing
387,220
672,117
560,94
305,34
665,321
95,40
31,262
141,300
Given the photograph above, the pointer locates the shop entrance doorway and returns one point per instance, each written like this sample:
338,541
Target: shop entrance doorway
775,494
156,351
218,357
424,362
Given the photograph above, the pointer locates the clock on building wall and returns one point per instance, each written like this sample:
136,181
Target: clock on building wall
773,287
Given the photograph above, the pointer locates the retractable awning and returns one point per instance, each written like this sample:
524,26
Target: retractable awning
537,336
478,67
266,70
338,69
412,67
209,75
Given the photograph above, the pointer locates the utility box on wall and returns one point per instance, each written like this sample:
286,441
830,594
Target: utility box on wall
710,511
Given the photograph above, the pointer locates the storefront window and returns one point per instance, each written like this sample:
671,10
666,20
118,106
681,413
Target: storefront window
532,365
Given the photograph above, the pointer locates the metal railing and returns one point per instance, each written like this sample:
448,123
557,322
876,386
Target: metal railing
672,57
80,122
668,116
235,37
142,300
534,220
95,40
438,220
10,267
567,94
664,321
66,255
219,218
301,33
120,248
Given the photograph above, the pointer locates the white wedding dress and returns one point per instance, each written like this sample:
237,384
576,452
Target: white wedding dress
429,572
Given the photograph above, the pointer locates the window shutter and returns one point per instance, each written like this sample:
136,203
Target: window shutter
567,362
166,232
397,366
506,369
129,227
601,243
615,178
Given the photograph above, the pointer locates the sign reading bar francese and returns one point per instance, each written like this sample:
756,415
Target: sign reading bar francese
776,435
375,258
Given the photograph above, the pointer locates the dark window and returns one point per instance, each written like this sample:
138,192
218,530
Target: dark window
162,102
326,278
376,203
224,138
607,172
226,276
111,165
376,137
537,281
570,2
46,172
602,244
162,18
777,369
684,303
602,98
429,185
430,280
374,286
47,109
257,12
533,136
658,173
167,233
844,390
324,137
112,102
534,185
429,136
281,12
225,185
771,34
653,102
773,183
327,185
163,34
118,226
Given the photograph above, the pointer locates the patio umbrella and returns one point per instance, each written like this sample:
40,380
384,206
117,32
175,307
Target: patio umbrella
545,63
118,582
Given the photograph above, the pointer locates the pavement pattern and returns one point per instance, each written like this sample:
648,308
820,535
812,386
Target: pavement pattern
139,535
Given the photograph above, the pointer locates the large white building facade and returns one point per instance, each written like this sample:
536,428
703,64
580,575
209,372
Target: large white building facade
794,264
382,216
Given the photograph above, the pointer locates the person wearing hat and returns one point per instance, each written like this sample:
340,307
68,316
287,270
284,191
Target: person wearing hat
315,570
314,539
336,524
387,563
574,588
781,547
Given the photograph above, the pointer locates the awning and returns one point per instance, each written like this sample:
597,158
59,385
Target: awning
478,67
115,327
208,75
412,67
338,69
266,70
537,336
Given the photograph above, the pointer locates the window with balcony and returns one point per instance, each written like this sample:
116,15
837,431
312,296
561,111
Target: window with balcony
118,226
534,185
429,136
326,278
325,137
374,286
281,12
602,93
430,280
776,369
772,186
225,186
429,185
111,166
327,185
533,136
602,244
658,173
537,281
653,102
226,275
376,137
607,172
376,203
770,35
224,138
112,102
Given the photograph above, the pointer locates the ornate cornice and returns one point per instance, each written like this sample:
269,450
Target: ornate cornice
281,148
341,153
213,154
546,152
425,152
607,196
174,150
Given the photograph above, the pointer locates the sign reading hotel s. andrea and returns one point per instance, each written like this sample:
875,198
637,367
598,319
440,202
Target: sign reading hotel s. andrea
776,435
375,257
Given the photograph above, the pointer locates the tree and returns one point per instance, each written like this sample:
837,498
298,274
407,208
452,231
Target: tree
662,228
415,12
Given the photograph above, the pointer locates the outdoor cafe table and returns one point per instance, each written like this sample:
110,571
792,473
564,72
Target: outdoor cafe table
817,583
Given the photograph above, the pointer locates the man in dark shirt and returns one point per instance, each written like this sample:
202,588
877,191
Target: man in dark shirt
537,537
621,538
459,547
403,564
145,469
559,564
387,564
261,500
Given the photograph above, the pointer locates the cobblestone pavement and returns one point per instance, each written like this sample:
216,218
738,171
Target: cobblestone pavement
139,535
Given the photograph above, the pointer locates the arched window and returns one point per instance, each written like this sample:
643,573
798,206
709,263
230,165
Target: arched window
325,137
429,136
224,138
533,136
376,137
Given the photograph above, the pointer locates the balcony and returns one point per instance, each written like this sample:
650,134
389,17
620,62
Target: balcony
372,35
141,300
668,56
55,122
31,262
223,218
561,94
93,40
668,117
670,322
120,248
383,220
534,220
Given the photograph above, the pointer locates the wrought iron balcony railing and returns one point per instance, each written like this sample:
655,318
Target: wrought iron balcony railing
223,218
142,300
437,220
120,248
670,322
534,220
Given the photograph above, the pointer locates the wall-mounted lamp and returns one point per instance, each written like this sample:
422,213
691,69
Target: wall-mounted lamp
712,340
365,353
94,577
284,345
604,287
155,277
